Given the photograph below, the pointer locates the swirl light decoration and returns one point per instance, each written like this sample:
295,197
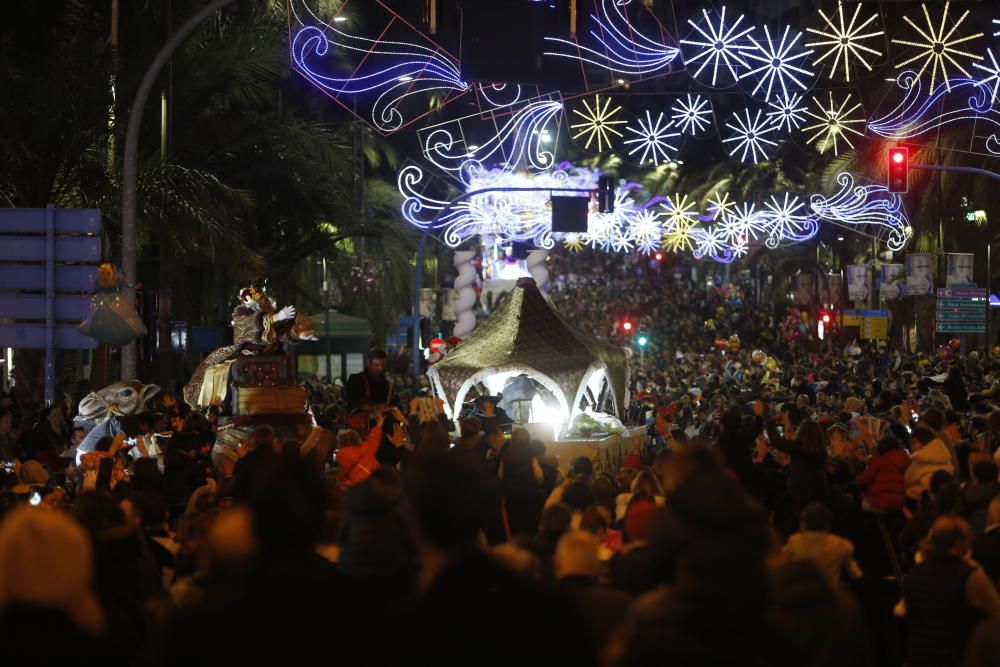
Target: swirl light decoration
519,143
937,46
866,205
954,101
616,45
782,64
388,72
843,40
721,44
499,95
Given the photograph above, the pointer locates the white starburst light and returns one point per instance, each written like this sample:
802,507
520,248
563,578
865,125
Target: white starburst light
708,241
780,64
787,112
785,220
652,139
645,230
937,47
743,224
835,123
748,137
843,41
992,70
691,114
720,205
722,46
597,122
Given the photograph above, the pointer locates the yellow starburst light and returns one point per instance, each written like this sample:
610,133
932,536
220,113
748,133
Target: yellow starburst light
938,46
597,122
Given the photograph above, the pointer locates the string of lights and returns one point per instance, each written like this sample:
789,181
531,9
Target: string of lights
866,206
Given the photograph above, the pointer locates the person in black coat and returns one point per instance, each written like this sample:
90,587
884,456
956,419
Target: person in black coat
182,473
986,547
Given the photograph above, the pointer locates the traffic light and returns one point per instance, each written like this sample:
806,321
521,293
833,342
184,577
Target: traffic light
627,327
606,187
658,257
642,340
825,317
899,169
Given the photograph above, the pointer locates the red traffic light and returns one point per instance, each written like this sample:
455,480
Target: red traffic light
627,326
825,317
899,168
658,256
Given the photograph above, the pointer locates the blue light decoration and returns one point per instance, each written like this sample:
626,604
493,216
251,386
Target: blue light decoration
787,112
711,242
652,139
782,64
843,40
868,206
692,114
937,46
784,222
748,137
954,101
499,95
721,45
619,47
519,143
389,71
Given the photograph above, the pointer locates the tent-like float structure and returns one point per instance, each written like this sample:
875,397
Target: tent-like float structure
526,335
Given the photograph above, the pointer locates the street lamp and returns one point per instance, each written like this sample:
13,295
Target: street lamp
331,299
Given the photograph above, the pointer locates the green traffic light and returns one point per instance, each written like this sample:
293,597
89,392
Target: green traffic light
642,341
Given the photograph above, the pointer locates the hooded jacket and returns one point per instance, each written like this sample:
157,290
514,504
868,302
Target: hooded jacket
884,480
358,461
924,462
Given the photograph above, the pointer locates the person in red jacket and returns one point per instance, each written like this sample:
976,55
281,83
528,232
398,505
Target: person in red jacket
883,480
356,458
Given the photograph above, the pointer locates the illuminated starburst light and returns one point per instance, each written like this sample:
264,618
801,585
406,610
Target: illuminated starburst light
722,45
691,113
651,139
597,122
937,47
681,212
787,112
748,137
780,64
573,242
834,124
843,41
992,70
785,222
645,230
720,205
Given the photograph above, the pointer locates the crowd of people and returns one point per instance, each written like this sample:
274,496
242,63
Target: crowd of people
790,506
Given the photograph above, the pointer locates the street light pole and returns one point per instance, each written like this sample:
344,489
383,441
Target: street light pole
130,163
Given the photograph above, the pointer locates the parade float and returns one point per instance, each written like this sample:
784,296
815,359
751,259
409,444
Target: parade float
571,388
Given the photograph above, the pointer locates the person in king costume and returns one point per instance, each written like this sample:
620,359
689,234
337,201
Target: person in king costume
258,328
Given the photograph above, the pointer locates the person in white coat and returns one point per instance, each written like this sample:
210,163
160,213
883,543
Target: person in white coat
930,454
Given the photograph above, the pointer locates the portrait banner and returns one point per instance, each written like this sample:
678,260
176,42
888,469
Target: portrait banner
919,274
892,281
960,266
858,282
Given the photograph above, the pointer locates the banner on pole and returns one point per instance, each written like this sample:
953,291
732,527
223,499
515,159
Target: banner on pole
919,274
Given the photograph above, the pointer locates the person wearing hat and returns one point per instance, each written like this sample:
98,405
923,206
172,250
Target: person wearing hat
489,415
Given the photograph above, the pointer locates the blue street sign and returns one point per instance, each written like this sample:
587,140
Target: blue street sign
68,249
32,336
32,307
41,235
67,221
32,277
